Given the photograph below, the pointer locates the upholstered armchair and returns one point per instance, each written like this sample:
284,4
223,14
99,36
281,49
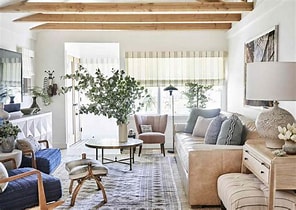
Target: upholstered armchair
151,129
27,187
38,154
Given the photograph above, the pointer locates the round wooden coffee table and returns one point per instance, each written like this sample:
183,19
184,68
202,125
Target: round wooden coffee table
113,143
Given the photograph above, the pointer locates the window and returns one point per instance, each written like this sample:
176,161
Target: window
156,70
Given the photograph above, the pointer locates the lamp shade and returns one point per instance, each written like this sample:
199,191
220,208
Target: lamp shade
170,88
271,81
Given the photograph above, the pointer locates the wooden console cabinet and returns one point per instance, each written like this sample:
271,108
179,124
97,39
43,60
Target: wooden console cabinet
39,126
278,173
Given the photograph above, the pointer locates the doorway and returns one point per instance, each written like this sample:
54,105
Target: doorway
104,56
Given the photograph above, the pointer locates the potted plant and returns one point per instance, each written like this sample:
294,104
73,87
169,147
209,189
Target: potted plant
8,134
288,134
39,92
116,96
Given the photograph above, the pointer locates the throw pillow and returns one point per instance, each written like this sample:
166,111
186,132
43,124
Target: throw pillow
3,174
29,143
231,132
213,130
201,126
146,128
195,112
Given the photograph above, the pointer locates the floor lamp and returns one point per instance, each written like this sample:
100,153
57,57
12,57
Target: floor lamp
171,88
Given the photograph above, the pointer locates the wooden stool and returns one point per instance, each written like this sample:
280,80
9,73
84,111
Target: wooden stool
83,169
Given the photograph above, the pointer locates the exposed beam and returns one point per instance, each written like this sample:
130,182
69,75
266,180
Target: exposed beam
129,7
131,18
98,26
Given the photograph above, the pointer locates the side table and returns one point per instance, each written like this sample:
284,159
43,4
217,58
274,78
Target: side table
15,154
273,171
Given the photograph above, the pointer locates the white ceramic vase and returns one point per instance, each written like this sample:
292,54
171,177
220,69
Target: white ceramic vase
3,114
7,144
122,132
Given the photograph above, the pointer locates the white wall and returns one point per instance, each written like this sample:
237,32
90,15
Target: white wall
50,56
266,15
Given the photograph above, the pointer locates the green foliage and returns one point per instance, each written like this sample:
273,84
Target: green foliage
114,97
42,93
196,94
8,129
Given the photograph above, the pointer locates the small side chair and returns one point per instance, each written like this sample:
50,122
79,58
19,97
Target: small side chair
151,129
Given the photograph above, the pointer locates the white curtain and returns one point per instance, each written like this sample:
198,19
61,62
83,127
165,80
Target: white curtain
10,73
104,64
177,67
28,61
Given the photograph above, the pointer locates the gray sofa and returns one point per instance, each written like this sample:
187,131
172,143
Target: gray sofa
201,164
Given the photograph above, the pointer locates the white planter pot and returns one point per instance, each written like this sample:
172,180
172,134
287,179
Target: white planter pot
122,132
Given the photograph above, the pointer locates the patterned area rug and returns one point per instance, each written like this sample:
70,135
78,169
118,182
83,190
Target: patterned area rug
149,186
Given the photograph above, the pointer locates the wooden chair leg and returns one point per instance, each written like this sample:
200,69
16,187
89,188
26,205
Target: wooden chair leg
140,150
162,149
101,186
74,195
71,186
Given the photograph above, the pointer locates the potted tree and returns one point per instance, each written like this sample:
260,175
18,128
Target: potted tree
116,96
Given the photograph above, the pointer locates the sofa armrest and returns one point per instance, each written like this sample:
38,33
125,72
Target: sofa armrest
32,154
44,142
179,127
206,164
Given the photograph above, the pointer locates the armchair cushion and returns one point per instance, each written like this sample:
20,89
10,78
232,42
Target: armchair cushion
29,143
47,160
3,174
23,193
146,128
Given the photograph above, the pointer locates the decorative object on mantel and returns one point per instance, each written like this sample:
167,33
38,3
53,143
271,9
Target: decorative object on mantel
116,96
8,134
272,81
289,135
49,85
4,115
12,107
42,93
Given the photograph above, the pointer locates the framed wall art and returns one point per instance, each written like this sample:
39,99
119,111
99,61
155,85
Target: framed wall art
263,48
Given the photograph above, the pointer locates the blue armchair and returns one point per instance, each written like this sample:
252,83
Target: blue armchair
43,158
28,187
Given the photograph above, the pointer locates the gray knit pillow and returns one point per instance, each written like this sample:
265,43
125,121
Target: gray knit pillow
231,132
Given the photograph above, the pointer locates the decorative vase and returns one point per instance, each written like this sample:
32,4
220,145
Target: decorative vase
290,147
122,132
3,114
7,144
35,105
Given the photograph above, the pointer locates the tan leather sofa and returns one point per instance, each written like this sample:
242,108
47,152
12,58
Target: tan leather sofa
201,164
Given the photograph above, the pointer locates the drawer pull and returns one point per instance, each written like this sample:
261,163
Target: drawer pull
247,151
245,158
262,172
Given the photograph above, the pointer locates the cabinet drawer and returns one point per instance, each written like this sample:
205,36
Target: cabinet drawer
258,167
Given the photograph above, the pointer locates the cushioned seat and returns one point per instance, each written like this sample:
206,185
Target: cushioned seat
247,192
23,193
47,160
83,169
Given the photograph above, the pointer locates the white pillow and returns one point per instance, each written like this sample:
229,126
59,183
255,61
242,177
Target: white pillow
201,126
146,128
3,174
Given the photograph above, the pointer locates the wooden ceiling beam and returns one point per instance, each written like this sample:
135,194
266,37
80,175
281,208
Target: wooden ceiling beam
98,26
130,18
44,7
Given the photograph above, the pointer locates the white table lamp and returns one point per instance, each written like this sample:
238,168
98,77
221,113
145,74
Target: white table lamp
272,81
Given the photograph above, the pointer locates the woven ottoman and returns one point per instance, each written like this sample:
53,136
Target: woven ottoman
82,170
247,192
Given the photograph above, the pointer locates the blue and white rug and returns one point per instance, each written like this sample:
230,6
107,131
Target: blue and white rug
149,186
